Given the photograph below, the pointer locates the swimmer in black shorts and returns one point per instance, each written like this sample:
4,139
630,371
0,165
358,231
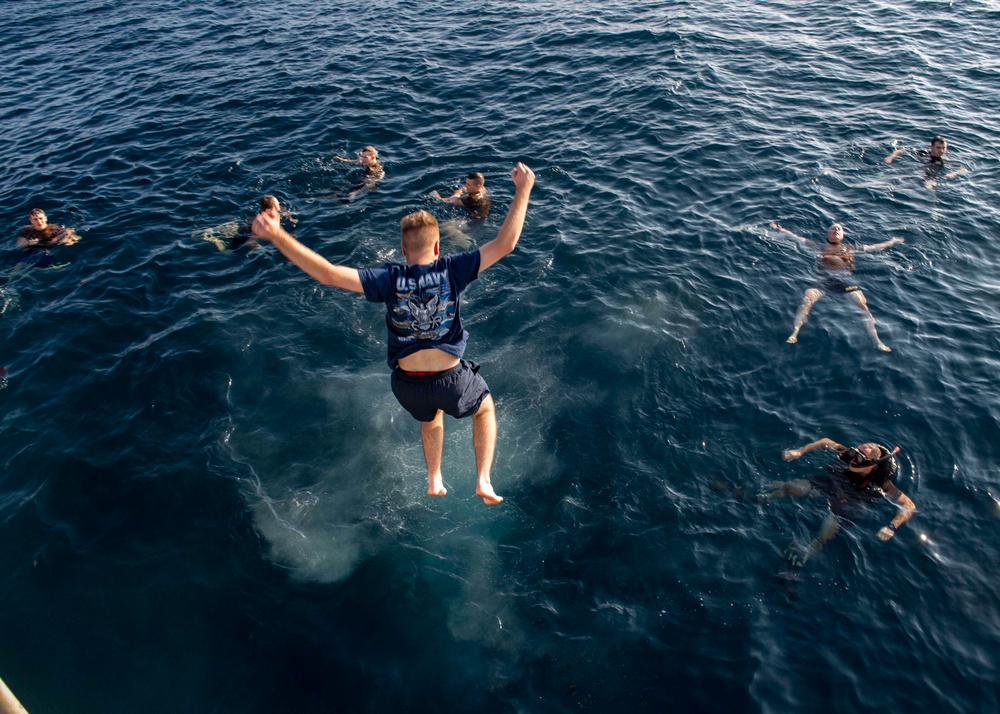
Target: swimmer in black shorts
835,264
426,339
860,477
935,160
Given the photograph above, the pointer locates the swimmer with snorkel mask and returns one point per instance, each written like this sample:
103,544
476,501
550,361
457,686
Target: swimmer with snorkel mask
860,476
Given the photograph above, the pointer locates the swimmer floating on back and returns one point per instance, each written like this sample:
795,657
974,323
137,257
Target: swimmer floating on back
835,263
858,478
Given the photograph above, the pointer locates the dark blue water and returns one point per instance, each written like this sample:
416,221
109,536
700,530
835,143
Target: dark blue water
211,502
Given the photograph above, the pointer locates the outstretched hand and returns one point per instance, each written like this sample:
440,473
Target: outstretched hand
896,153
897,239
885,533
266,226
775,226
523,177
791,454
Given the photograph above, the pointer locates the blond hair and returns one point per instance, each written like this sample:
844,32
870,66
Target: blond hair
416,236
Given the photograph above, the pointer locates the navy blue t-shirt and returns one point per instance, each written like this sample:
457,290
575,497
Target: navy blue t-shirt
422,303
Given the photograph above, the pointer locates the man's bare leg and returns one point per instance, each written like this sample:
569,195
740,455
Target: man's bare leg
811,296
432,438
827,532
859,299
484,441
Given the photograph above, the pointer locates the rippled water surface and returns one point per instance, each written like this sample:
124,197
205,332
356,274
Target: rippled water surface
211,502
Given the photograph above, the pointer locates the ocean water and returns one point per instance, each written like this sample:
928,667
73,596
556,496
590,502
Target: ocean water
211,502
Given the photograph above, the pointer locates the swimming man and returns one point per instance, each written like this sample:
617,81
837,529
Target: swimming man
935,160
426,339
244,236
373,171
858,478
41,234
834,265
476,198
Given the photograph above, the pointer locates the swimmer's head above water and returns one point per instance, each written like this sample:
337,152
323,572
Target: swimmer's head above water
39,221
474,183
869,455
369,156
939,147
835,234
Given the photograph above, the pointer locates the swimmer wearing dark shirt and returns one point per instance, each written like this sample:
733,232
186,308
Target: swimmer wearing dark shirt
41,234
373,171
474,197
862,475
935,160
834,258
244,235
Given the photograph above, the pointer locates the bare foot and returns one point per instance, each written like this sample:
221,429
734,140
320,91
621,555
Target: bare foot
489,496
882,347
435,486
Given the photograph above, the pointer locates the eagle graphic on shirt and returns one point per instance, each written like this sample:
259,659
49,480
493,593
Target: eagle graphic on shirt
424,309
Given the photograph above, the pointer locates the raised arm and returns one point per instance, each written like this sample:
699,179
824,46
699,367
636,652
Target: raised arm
510,231
906,510
881,246
895,155
824,443
781,229
339,276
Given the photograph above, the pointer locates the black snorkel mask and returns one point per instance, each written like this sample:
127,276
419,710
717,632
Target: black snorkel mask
860,461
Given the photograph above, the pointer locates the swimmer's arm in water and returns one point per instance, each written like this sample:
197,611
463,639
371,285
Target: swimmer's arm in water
824,443
781,229
956,172
67,237
510,231
454,199
311,262
906,510
347,160
23,241
881,246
